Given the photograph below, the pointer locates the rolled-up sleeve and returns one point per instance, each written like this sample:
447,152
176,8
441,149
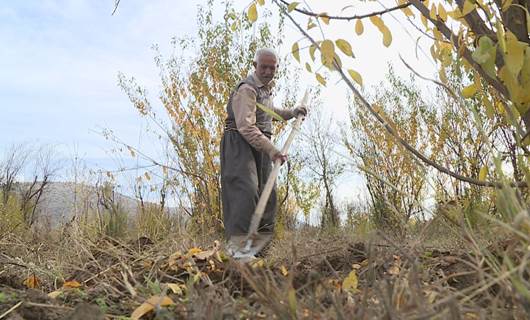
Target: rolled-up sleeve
244,107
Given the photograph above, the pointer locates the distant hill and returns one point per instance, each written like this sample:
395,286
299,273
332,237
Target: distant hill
58,203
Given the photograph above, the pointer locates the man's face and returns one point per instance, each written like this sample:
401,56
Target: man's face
266,67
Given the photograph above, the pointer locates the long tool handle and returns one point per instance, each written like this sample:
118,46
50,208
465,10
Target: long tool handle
265,194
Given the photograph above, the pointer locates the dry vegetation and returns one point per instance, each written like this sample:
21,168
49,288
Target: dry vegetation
462,150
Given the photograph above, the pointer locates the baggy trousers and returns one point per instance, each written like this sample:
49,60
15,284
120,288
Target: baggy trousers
244,172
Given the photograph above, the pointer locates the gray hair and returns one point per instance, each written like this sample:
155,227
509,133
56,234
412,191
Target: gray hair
264,51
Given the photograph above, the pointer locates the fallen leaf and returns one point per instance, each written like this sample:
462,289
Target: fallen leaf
32,282
150,305
176,288
351,282
55,294
203,255
71,284
284,271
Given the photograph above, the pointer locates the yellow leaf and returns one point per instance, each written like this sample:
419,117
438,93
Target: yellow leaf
252,12
194,251
203,255
55,294
150,305
432,12
32,282
270,112
424,21
133,154
442,13
469,91
359,28
296,51
308,67
71,284
514,53
406,10
506,4
327,49
356,76
257,264
312,50
176,288
292,6
483,173
284,271
147,176
261,2
350,283
468,7
387,35
310,24
344,46
320,79
324,17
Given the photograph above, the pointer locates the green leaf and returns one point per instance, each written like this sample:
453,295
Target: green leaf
269,111
308,67
252,12
320,79
356,76
380,24
292,6
344,46
296,51
327,50
359,28
485,55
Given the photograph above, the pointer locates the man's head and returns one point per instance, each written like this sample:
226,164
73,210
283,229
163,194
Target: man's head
266,63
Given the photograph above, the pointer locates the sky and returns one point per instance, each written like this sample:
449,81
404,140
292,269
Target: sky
59,61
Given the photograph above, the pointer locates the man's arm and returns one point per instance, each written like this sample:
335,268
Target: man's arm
244,107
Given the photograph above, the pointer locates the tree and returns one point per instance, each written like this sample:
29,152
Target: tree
194,94
488,44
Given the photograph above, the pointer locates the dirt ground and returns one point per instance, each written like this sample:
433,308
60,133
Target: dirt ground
336,278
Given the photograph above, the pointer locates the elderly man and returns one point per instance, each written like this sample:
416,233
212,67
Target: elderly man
246,149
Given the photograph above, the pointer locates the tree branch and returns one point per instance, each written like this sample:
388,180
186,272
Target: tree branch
386,125
348,18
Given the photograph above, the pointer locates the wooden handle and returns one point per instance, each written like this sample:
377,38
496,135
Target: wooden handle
265,194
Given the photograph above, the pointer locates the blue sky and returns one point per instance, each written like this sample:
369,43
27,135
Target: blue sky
59,61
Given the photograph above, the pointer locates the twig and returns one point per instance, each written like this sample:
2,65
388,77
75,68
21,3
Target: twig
348,18
44,305
13,308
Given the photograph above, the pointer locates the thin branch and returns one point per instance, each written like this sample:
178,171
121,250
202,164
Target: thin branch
389,128
348,18
116,4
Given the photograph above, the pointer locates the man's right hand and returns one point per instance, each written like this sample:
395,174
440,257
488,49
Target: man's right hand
279,157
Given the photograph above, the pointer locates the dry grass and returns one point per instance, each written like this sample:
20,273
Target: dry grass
300,276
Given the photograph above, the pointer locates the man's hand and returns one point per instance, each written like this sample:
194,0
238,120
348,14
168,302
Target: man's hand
279,157
300,110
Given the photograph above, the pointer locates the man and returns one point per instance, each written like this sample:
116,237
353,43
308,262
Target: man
246,149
